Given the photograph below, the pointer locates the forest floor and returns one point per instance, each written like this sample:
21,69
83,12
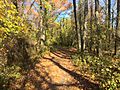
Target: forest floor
55,71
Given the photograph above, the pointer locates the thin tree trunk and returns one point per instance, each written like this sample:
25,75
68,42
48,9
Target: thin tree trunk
109,17
40,34
96,23
45,25
80,26
76,27
91,23
84,22
113,34
117,25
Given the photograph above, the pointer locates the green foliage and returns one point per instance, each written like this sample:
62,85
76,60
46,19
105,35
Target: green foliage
7,73
20,46
16,49
103,69
11,23
64,34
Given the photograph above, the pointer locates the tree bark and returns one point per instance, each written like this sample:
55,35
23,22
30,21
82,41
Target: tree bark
109,17
117,26
84,23
91,23
76,27
96,23
80,27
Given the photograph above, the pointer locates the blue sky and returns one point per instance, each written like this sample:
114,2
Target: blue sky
65,14
102,2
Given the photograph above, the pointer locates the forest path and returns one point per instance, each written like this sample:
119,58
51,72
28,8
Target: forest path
55,71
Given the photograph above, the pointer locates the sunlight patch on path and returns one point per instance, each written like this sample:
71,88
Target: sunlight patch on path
60,78
55,71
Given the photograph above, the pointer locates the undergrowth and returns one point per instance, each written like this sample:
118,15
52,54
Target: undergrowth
105,70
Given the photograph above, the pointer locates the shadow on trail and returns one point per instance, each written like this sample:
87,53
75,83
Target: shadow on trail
64,53
37,84
84,83
58,54
21,56
44,83
34,79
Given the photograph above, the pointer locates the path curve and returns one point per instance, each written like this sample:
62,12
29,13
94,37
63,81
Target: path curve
55,71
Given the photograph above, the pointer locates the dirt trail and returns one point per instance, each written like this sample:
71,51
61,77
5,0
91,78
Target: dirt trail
56,72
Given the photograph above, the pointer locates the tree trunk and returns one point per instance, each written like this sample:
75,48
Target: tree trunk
96,23
76,27
117,26
109,17
80,26
91,23
84,23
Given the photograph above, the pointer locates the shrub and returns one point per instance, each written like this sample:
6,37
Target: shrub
104,69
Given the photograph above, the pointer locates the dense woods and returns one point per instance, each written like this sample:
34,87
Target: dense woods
83,32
